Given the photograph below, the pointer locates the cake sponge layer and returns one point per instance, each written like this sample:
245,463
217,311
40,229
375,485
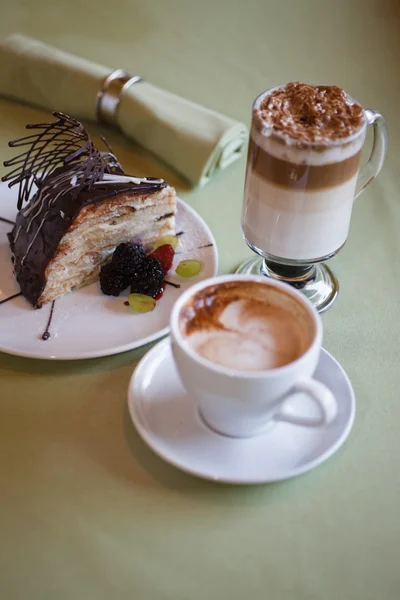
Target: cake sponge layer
98,229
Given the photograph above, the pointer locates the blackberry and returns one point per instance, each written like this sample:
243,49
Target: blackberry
149,280
111,282
128,258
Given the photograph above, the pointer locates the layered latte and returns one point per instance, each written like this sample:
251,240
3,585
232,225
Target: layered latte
303,161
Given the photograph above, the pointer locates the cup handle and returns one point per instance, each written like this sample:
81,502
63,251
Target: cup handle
321,395
378,152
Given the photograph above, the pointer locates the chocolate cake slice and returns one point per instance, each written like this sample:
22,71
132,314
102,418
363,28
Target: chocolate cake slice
75,206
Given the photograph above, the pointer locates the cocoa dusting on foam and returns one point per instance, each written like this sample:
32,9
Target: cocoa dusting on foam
308,113
246,326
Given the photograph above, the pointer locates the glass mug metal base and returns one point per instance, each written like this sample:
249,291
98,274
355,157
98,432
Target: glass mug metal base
316,282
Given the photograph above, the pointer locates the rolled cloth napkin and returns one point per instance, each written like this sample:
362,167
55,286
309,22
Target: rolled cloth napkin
194,140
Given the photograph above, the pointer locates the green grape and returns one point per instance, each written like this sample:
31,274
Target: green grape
172,240
188,268
141,303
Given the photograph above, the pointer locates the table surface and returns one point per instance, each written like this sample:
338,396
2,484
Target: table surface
87,510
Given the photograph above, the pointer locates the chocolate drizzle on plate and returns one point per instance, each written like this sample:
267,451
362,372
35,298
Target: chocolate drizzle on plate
10,298
175,285
210,245
3,220
59,172
46,335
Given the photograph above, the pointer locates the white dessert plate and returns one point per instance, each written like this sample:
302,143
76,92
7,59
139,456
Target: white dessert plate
86,323
167,420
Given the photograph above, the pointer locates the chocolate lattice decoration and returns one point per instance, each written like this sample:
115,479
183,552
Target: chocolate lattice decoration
64,143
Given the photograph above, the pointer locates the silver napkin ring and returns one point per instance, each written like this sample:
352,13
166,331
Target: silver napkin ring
109,95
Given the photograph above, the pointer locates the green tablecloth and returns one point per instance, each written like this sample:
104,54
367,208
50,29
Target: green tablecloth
87,511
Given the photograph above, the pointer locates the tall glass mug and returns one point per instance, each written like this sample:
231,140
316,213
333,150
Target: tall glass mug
298,200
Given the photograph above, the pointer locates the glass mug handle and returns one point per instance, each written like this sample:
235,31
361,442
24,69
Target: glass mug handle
378,152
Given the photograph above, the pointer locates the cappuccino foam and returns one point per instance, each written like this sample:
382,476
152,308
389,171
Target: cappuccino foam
246,326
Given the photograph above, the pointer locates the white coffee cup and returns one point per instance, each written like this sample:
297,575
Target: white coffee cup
243,403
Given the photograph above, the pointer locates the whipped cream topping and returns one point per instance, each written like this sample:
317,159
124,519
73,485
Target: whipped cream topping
310,113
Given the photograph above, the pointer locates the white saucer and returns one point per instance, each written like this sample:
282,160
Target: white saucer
85,323
167,420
